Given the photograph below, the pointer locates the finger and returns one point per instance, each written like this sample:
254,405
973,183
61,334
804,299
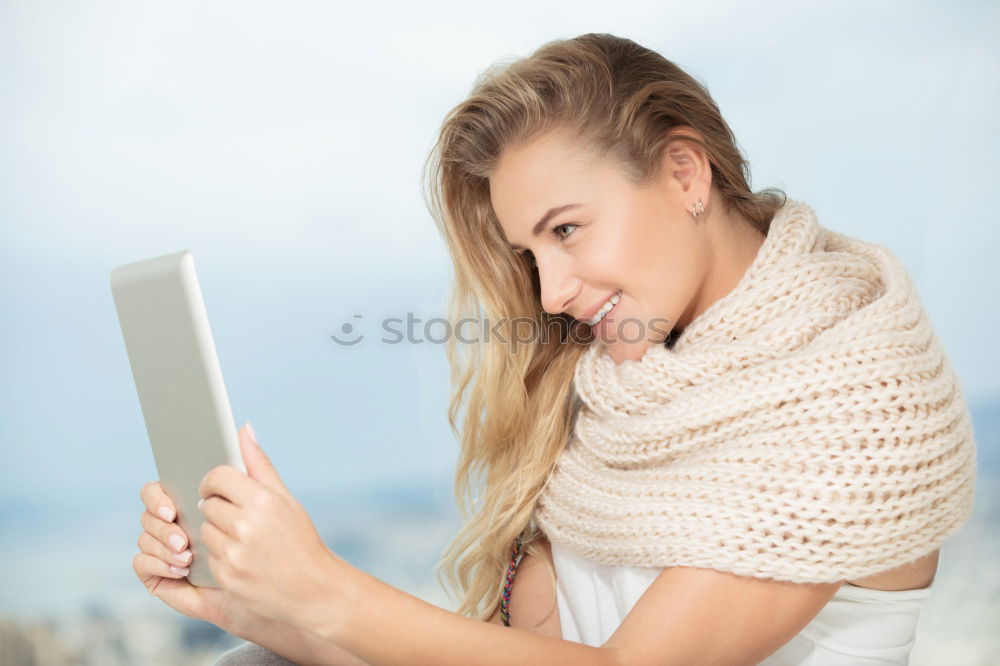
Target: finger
146,565
213,539
150,545
228,482
224,515
169,534
258,464
157,501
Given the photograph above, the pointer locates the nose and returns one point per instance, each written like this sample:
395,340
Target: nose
557,285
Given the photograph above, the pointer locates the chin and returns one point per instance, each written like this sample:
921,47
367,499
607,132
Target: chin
627,351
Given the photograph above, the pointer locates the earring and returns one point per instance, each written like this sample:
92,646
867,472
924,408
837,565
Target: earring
701,208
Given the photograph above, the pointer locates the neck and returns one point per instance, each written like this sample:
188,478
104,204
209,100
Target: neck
733,246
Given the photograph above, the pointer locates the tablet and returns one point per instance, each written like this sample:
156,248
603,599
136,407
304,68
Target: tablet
180,385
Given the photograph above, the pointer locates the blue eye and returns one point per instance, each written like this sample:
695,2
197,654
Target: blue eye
555,232
565,224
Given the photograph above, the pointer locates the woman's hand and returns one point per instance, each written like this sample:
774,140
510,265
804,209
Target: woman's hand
163,563
262,547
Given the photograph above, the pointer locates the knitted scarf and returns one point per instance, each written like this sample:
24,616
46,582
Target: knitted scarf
806,427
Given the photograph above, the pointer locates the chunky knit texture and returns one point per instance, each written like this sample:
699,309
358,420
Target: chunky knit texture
806,427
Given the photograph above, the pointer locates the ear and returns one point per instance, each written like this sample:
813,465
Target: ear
687,163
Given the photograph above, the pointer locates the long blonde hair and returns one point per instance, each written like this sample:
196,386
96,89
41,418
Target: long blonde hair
621,100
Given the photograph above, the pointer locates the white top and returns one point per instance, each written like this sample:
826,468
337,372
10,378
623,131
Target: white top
857,625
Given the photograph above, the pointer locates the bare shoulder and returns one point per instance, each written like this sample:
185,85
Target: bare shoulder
533,594
685,610
914,575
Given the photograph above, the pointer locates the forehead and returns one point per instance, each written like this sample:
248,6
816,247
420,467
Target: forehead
531,178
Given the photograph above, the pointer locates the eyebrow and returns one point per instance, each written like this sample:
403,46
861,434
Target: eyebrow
540,225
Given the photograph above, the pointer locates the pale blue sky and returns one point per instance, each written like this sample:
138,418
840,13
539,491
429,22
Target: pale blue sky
282,144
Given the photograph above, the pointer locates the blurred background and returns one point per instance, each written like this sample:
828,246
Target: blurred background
282,144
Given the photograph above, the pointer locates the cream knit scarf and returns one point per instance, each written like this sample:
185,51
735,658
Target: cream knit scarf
807,427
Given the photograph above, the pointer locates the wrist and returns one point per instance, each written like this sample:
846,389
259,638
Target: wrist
247,625
331,606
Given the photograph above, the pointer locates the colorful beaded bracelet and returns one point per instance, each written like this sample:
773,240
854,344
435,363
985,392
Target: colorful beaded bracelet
515,559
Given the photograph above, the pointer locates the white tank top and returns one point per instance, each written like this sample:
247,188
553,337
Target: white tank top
857,625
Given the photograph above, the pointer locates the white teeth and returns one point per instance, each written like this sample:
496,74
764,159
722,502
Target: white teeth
610,303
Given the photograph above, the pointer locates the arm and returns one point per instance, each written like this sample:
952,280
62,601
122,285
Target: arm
703,616
678,620
388,626
297,645
532,608
532,596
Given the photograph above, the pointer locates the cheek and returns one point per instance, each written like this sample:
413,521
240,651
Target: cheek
654,256
607,263
665,274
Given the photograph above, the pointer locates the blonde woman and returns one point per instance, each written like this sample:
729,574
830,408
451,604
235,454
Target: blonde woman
712,431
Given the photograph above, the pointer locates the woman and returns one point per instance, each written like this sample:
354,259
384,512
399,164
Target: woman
731,436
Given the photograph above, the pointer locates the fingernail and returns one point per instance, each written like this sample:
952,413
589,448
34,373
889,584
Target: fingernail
180,572
184,557
165,514
253,435
177,541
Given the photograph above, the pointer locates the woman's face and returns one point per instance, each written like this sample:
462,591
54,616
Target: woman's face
608,237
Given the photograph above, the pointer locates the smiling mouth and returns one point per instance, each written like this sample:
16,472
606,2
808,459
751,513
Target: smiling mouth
608,306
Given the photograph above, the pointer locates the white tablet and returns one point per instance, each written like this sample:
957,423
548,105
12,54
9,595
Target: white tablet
179,380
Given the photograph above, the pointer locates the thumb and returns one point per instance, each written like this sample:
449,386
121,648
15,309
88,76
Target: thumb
259,466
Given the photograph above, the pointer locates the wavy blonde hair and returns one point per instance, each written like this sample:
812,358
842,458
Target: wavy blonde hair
621,101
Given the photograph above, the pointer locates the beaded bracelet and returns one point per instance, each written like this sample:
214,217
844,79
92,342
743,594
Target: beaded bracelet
515,559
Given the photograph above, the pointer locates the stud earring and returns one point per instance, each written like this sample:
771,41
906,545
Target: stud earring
701,209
